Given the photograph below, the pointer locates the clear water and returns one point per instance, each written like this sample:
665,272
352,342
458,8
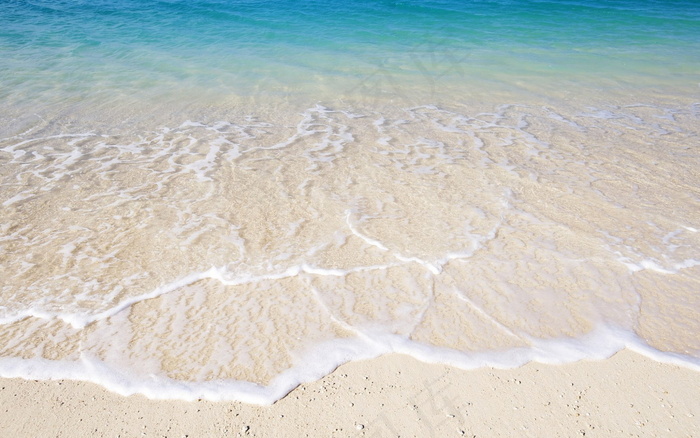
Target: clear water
54,51
223,199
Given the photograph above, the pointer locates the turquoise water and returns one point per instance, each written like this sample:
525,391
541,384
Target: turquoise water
57,50
224,199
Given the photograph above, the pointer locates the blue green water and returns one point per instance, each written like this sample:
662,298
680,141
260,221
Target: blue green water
56,50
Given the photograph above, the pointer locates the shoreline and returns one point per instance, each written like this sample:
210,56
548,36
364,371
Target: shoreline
393,395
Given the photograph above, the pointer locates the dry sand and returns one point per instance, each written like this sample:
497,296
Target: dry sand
395,395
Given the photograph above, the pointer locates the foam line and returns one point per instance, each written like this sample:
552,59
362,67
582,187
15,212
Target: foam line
324,358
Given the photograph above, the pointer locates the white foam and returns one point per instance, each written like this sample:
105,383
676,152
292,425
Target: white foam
426,147
19,197
324,358
367,239
318,362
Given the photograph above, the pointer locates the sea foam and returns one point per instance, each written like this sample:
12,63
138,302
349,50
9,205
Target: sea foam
236,259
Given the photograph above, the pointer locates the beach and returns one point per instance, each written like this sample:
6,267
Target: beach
404,218
626,395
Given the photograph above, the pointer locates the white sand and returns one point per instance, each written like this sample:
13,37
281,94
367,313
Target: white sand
627,395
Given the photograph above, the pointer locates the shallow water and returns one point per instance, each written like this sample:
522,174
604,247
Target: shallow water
224,199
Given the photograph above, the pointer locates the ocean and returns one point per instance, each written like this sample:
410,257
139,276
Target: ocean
223,199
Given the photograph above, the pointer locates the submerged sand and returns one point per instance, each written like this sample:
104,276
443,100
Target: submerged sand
394,395
231,256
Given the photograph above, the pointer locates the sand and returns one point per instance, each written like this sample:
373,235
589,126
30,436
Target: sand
394,395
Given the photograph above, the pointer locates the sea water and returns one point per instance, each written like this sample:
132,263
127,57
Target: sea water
221,199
